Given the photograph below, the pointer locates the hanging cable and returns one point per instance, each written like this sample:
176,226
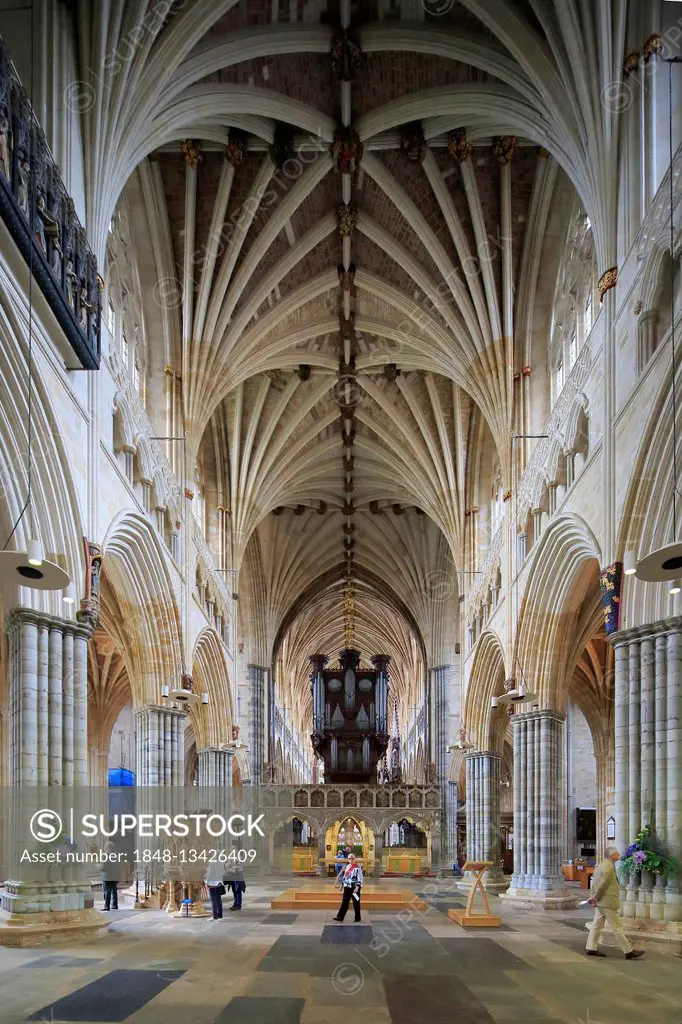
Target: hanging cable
672,294
29,395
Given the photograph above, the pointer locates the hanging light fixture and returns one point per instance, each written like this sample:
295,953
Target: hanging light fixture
666,562
69,595
514,694
630,563
675,587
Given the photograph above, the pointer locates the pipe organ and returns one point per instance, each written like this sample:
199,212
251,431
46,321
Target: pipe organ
350,715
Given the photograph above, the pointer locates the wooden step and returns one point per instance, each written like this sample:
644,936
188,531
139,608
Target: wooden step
303,899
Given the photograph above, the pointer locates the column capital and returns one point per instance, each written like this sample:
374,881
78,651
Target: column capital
474,755
160,708
646,631
18,616
538,714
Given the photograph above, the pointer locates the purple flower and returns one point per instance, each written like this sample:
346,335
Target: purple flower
631,849
639,857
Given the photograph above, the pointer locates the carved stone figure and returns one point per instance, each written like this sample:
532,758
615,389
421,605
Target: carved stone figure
346,150
5,143
84,308
346,53
89,610
71,283
23,181
412,142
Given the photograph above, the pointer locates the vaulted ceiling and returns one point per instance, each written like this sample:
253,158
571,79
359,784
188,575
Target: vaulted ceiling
347,318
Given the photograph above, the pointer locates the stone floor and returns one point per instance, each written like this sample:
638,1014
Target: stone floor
265,967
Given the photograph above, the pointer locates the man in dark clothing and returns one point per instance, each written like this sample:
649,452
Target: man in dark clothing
238,885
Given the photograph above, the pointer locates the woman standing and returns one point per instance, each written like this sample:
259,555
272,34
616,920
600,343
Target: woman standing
351,882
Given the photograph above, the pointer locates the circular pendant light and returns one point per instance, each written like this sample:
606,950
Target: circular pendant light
663,564
16,567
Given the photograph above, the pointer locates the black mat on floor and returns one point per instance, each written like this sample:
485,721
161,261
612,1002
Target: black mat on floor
355,934
279,918
474,952
261,1010
436,999
403,930
114,997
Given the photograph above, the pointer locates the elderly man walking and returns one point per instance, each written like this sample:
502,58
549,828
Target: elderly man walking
606,901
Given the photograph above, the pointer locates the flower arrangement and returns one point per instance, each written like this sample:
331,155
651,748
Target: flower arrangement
645,855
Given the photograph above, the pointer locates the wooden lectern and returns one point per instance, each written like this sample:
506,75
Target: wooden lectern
467,918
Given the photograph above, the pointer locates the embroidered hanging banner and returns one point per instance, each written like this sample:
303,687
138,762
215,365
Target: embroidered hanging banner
610,581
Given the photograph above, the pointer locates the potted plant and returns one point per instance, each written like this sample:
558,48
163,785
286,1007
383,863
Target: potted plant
645,854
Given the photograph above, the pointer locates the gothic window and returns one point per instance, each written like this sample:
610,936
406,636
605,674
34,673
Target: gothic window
572,313
587,315
496,504
136,375
125,348
573,348
111,318
558,378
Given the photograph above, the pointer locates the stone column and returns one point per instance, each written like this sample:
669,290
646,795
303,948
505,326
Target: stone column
48,685
128,461
439,732
378,852
647,335
48,699
537,882
451,821
483,817
215,767
321,851
648,765
257,684
159,740
570,468
552,498
146,495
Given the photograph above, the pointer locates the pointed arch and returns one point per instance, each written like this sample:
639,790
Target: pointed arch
565,567
211,675
139,607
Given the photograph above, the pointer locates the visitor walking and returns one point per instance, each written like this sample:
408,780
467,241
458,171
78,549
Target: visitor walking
606,901
238,886
111,874
216,888
351,883
339,864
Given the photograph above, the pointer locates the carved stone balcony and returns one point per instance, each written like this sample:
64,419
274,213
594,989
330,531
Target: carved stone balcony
41,218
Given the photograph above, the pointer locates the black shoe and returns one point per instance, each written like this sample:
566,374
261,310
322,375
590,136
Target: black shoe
339,919
634,954
593,952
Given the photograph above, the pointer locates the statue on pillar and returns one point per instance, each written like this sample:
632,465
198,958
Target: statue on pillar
89,610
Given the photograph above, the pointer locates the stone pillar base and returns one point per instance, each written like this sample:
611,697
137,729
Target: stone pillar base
50,928
537,899
656,936
659,936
